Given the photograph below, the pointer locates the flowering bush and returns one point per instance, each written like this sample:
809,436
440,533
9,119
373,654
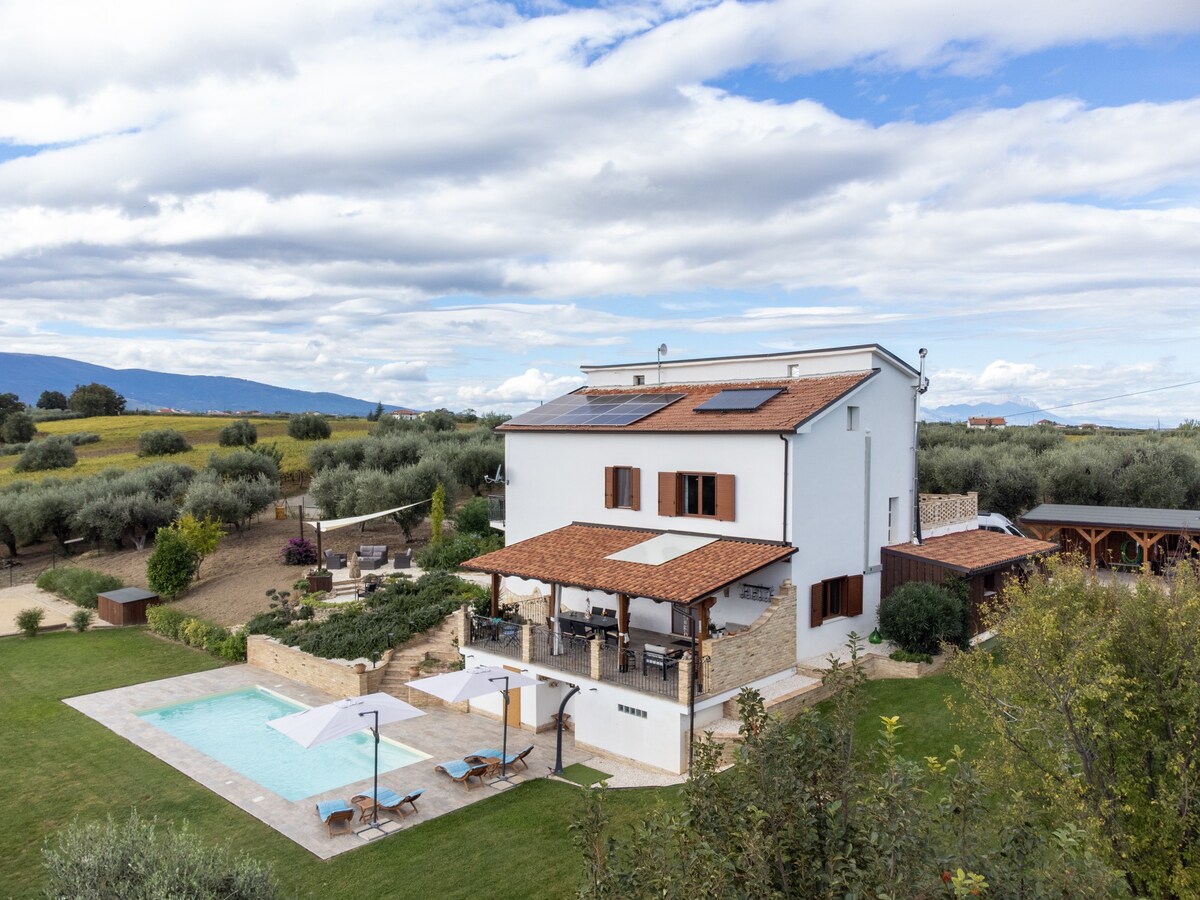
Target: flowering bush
299,552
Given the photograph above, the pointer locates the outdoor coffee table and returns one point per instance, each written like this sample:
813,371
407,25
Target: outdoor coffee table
493,764
365,807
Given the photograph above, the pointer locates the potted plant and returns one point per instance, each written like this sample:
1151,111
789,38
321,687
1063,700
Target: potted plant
359,668
320,580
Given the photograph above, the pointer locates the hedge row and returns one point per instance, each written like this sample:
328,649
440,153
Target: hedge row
179,626
78,585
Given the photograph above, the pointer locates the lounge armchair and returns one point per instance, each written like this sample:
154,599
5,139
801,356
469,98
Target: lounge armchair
510,760
332,811
463,772
389,801
657,657
335,560
372,556
402,560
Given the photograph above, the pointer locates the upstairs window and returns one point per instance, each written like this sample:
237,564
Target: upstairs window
700,494
622,487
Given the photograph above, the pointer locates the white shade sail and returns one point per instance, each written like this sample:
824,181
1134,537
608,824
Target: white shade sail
335,524
335,720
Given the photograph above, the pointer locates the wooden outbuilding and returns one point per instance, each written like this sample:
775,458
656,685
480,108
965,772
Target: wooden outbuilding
1120,536
986,560
126,606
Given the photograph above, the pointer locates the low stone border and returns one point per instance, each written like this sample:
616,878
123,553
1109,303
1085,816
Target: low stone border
325,675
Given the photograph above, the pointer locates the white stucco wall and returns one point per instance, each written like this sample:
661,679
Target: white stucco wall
738,368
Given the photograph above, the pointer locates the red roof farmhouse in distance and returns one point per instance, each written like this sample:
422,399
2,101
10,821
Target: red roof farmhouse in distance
986,422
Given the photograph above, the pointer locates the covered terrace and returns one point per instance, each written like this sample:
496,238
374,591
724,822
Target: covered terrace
1130,537
616,594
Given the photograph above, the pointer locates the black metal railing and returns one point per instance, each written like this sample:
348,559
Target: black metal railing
503,638
574,656
642,673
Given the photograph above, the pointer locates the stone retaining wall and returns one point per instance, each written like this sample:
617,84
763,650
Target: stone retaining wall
766,647
323,674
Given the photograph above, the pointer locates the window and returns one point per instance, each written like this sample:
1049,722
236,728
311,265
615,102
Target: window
639,379
836,597
622,487
701,494
631,710
852,418
894,520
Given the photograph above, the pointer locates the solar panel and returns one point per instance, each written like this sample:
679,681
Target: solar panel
743,399
611,410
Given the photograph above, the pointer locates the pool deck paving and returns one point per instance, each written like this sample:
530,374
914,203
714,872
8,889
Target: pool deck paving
443,733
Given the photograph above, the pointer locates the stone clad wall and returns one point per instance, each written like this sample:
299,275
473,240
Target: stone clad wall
766,647
333,678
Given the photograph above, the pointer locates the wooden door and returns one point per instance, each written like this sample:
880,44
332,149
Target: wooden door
514,703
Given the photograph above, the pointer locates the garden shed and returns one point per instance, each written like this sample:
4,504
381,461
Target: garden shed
986,560
126,606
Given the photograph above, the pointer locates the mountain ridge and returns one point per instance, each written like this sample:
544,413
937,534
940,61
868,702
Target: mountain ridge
28,374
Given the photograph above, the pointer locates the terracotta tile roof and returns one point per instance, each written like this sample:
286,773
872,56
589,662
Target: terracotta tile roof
575,556
800,400
975,550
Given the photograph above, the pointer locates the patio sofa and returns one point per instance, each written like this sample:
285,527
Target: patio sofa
372,556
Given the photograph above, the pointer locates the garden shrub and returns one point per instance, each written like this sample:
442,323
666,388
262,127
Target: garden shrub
473,517
166,621
299,552
52,453
18,428
162,442
78,438
81,620
245,464
139,860
401,607
78,585
241,433
172,566
196,632
920,616
456,550
29,620
906,657
308,427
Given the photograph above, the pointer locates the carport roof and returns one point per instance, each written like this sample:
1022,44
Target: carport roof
973,551
577,555
1139,517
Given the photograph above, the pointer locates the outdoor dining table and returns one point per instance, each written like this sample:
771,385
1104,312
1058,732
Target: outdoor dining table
600,623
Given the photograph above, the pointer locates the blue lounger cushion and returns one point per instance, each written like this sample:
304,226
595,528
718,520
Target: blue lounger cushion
496,754
388,798
327,808
455,768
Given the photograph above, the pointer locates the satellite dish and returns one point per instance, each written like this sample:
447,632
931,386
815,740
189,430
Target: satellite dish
662,349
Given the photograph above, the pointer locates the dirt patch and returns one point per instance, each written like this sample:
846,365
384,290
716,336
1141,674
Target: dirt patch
234,580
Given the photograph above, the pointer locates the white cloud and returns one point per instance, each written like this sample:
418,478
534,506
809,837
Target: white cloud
531,386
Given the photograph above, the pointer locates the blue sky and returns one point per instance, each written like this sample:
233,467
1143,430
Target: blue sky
440,203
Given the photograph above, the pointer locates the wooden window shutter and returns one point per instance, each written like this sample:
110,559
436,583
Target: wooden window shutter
854,595
610,487
667,494
725,505
817,605
635,488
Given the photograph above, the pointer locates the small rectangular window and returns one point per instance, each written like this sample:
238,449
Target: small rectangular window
852,418
631,710
639,379
894,520
623,486
698,494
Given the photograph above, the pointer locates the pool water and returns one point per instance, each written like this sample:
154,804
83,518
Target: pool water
232,729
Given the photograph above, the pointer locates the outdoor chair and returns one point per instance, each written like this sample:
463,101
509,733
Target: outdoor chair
577,634
463,772
402,560
389,801
510,633
331,811
510,760
335,560
598,611
611,613
657,657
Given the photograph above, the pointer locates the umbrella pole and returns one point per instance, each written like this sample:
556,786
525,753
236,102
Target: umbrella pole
375,791
504,739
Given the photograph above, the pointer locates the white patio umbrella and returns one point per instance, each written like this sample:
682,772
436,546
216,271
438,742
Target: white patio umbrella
477,681
334,720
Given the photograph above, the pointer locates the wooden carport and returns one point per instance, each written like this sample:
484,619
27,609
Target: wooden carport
1096,525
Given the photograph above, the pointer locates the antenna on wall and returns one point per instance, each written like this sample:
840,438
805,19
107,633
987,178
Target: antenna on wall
662,351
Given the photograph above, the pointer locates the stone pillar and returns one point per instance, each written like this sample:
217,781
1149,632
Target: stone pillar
527,642
594,649
685,678
460,621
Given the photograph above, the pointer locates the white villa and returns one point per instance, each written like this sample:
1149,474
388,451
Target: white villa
679,531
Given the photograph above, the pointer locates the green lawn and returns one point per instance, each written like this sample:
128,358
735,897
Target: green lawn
584,775
56,764
928,729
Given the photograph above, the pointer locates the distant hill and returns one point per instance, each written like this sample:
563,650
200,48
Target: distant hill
27,375
1020,412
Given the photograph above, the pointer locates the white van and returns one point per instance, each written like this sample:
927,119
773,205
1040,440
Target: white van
990,521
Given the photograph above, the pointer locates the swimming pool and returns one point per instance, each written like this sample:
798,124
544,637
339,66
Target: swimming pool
232,729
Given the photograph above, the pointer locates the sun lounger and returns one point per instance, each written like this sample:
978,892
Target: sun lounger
332,811
511,759
389,801
463,772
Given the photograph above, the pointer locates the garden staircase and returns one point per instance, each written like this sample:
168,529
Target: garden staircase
430,652
784,698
